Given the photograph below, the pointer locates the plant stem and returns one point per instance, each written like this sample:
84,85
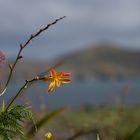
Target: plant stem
13,66
25,86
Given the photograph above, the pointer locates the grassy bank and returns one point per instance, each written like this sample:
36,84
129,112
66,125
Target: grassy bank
110,123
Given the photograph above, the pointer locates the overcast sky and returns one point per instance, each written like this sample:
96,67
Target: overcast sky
87,22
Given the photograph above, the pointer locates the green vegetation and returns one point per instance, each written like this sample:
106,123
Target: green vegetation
12,120
117,123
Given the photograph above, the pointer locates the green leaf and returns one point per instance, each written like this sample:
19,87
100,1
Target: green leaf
3,105
11,122
135,134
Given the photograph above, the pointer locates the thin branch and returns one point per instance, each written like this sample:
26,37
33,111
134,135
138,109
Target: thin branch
41,30
25,86
22,46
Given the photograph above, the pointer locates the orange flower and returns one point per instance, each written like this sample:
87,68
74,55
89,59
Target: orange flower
56,79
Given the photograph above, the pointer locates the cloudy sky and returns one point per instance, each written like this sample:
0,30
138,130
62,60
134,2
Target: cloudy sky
87,22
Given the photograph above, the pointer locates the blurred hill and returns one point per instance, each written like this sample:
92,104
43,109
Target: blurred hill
102,60
105,60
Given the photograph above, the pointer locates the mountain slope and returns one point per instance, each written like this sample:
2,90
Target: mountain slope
105,60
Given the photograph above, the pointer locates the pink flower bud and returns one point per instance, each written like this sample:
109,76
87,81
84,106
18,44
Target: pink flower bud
2,57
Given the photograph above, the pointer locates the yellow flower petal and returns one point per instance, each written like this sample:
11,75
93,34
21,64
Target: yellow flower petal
66,74
65,80
60,74
58,83
51,86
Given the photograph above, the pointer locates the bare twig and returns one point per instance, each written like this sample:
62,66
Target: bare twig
40,31
25,86
22,46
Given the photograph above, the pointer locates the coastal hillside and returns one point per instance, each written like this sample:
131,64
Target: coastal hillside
105,60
